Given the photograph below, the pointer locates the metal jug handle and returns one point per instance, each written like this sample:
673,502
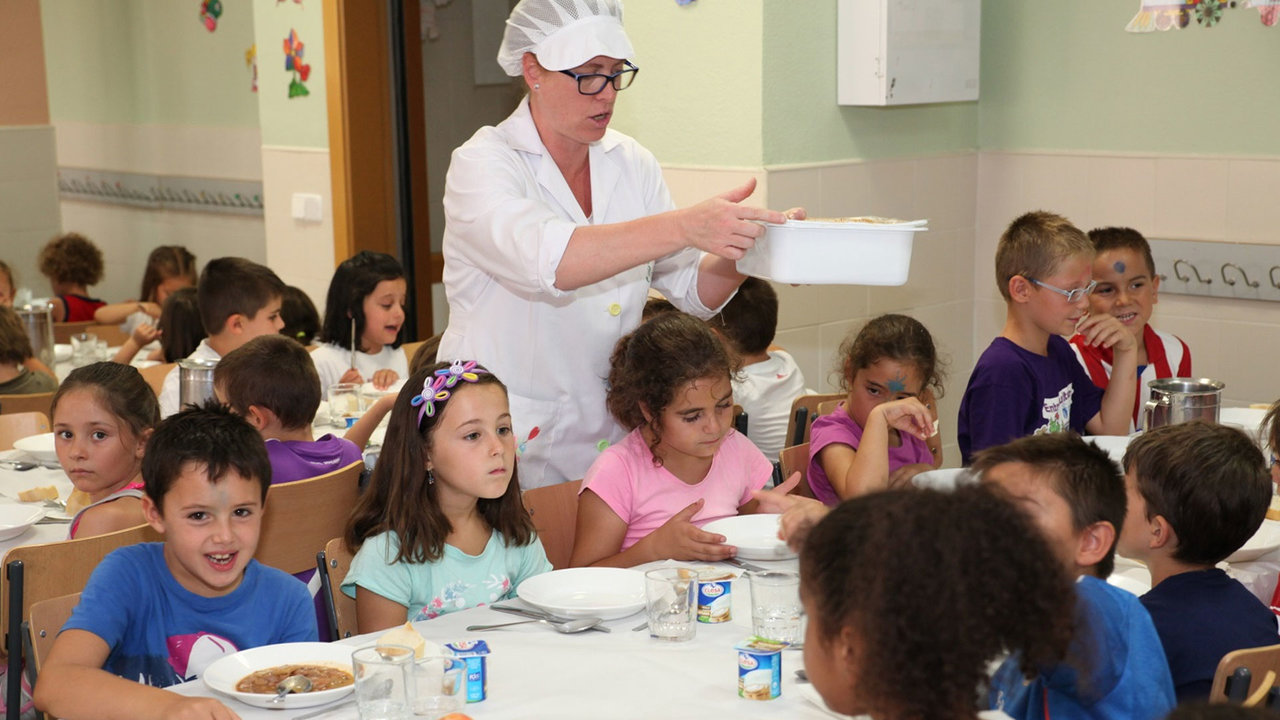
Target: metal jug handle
1150,408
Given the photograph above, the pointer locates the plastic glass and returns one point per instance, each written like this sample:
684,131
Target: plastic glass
775,605
84,349
344,403
384,682
438,686
671,603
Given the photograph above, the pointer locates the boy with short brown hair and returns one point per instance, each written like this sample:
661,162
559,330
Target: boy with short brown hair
1028,381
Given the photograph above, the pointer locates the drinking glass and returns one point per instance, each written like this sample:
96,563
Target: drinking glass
344,404
775,605
438,682
671,602
384,682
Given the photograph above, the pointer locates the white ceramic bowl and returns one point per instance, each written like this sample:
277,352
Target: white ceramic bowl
16,518
606,593
755,536
40,447
225,672
62,352
833,252
1266,540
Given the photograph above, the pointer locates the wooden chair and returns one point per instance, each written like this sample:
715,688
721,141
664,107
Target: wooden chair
1247,677
40,572
410,348
112,335
803,413
29,402
332,565
796,459
47,619
16,426
554,509
156,374
301,516
826,408
63,331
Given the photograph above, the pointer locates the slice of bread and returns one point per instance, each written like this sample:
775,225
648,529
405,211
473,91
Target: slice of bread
407,636
37,494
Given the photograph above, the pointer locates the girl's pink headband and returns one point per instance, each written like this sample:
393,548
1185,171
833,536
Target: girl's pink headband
439,386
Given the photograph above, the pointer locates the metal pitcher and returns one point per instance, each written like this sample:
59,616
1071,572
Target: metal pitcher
195,381
37,321
1178,400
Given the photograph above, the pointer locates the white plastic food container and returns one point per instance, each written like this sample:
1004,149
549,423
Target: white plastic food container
833,252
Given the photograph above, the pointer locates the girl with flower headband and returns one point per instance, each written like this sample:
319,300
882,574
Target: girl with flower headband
441,526
682,465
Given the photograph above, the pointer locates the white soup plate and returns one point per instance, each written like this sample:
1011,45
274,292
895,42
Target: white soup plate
1264,541
15,518
606,593
225,672
755,536
40,447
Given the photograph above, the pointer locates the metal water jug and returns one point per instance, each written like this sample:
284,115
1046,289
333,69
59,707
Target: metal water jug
195,381
37,321
1178,400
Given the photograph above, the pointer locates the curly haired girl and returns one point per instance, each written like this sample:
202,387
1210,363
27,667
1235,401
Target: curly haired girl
72,263
902,630
682,465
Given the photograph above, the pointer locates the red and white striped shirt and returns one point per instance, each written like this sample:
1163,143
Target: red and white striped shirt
1167,356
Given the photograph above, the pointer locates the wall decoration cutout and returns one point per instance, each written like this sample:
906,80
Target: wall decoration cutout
251,61
428,29
293,52
1164,15
210,11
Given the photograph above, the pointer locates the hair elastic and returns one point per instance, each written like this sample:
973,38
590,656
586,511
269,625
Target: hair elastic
438,386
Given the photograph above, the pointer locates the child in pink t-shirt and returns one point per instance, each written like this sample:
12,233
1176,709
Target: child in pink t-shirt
682,465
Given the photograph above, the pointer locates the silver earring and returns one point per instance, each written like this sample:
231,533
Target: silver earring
537,86
431,479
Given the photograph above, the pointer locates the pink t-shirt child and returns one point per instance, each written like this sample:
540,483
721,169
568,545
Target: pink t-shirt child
645,496
839,428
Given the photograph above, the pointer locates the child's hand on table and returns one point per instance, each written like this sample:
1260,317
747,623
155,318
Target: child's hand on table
187,708
384,379
679,539
799,513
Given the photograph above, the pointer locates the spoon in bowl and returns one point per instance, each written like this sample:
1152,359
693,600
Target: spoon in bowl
291,684
567,627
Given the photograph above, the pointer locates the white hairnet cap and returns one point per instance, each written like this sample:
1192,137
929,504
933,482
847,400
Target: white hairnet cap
563,33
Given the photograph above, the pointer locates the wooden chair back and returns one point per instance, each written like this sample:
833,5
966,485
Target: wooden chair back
156,374
554,509
47,619
1246,677
301,516
28,402
63,331
804,410
112,335
40,572
332,564
826,408
19,425
796,459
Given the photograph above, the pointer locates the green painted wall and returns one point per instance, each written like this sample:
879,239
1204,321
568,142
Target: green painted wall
1065,75
698,96
802,121
148,62
301,121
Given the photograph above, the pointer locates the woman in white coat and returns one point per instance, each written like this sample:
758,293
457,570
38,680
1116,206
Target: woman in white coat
557,227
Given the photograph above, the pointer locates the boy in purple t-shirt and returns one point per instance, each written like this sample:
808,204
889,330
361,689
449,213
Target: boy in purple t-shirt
1028,381
272,382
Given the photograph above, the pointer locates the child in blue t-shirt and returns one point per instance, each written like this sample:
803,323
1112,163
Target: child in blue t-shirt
442,527
1115,666
157,614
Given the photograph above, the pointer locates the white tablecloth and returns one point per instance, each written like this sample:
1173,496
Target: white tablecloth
13,481
538,674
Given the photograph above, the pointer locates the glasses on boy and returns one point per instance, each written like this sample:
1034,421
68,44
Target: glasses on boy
593,83
1074,295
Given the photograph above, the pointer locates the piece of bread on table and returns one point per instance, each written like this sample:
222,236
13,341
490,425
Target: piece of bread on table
77,501
37,494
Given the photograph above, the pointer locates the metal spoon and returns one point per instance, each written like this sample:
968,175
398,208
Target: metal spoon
568,627
291,684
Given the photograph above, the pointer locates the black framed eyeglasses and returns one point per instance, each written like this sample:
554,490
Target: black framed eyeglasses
593,83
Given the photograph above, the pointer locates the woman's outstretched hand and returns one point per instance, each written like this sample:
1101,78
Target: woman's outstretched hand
723,226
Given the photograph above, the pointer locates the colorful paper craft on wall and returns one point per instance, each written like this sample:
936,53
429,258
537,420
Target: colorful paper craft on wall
293,52
1163,15
210,11
251,61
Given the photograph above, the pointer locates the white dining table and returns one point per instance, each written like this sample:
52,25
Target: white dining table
535,672
13,481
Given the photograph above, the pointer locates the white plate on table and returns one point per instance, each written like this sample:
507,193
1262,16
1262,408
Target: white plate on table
225,672
606,593
1264,541
755,536
40,447
15,518
62,352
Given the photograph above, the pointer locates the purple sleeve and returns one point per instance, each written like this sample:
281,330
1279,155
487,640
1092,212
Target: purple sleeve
994,409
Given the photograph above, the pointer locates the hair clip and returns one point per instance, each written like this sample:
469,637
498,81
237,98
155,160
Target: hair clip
436,388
